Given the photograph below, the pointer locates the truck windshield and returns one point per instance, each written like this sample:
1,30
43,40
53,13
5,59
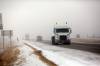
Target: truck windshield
62,30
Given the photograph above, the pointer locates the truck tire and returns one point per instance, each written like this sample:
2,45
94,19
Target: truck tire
53,41
68,42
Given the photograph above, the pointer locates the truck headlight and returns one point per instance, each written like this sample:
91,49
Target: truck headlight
56,37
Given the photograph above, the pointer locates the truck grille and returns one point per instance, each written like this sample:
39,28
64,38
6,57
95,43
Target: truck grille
63,37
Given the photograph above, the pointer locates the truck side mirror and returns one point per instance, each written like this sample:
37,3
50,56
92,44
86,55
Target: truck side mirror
54,30
70,30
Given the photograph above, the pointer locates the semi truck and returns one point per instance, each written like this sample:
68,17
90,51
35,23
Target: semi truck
61,35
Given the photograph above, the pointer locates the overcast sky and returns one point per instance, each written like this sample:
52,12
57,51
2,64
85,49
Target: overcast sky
38,17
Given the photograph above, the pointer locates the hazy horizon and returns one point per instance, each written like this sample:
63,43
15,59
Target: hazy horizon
39,17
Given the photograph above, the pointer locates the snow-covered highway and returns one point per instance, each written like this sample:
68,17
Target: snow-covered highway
65,56
83,44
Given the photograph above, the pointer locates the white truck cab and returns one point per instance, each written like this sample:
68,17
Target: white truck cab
61,35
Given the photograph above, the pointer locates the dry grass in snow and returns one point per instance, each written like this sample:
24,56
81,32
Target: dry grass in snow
9,56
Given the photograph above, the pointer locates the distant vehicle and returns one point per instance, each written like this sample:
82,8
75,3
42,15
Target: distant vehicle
39,38
61,35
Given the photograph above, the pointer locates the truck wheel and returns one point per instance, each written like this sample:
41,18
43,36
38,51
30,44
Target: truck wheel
68,42
53,40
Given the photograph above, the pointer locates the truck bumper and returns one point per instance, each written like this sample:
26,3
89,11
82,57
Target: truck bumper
67,41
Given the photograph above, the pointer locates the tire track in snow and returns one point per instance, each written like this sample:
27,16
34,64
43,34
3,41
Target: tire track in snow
41,57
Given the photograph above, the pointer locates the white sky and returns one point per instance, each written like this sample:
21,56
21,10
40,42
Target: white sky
38,17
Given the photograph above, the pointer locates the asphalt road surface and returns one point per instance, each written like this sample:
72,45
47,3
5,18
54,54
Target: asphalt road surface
94,48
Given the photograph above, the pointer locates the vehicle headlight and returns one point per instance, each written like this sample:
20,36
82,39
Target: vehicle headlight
56,36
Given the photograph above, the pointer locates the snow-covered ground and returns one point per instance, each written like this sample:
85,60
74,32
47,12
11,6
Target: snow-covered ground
27,57
65,56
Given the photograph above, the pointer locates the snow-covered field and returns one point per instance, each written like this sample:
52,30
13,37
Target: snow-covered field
65,56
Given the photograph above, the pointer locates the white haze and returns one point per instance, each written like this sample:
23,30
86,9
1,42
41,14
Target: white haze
39,17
